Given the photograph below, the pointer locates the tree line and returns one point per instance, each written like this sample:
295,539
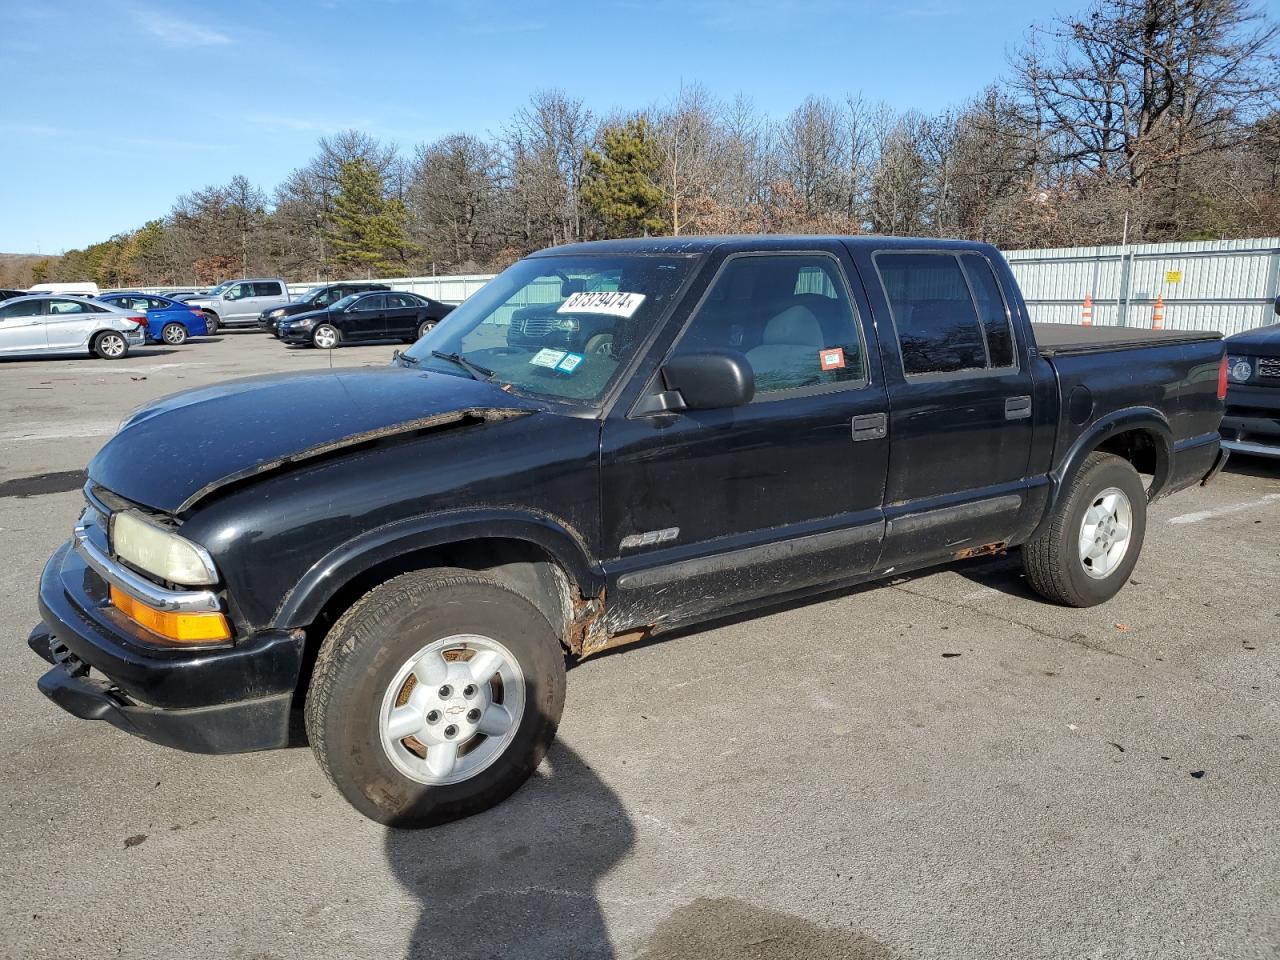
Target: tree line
1149,120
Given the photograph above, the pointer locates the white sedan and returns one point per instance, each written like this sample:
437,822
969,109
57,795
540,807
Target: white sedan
68,325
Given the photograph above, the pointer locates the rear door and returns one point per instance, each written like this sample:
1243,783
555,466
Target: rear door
22,327
402,315
705,509
960,395
69,321
263,295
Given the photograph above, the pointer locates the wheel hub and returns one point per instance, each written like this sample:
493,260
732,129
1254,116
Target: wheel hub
459,700
1105,532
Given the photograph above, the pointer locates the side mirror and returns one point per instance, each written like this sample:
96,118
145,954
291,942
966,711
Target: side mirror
710,380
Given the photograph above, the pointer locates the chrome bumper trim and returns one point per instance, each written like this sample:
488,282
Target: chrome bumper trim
1248,446
159,598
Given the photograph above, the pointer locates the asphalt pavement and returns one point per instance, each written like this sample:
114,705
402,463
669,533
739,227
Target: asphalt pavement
937,766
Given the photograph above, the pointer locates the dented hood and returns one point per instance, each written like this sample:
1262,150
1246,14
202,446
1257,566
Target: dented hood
173,452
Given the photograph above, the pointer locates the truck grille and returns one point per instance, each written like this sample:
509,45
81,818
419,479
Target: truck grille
541,326
1269,368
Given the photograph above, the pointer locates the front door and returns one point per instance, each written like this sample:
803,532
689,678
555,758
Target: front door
702,510
366,319
22,327
960,394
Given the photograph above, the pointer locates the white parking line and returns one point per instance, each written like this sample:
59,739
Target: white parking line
100,429
1223,511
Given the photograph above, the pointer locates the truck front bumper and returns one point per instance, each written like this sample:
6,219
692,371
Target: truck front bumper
230,699
1252,420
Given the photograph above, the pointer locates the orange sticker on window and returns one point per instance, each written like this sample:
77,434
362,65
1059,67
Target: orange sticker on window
832,359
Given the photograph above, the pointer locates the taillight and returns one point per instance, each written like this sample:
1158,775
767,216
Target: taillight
140,321
1222,379
197,314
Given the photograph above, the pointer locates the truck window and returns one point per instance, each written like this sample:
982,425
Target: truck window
789,314
266,289
933,313
992,309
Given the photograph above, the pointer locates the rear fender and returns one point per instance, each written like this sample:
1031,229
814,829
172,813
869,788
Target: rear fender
1146,419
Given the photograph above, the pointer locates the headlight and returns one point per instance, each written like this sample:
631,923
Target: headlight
158,551
567,323
276,313
1239,369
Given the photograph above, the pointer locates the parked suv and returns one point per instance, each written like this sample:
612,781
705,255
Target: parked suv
237,303
316,299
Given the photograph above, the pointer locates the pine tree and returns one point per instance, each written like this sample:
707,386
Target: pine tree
621,187
369,231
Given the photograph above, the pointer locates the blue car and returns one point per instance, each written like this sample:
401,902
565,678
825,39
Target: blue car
168,321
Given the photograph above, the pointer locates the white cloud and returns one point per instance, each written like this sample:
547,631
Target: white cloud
177,32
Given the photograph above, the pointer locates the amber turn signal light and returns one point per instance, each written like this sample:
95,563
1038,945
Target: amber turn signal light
176,627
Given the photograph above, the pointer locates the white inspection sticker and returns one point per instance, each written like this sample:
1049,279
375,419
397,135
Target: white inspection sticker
546,357
613,303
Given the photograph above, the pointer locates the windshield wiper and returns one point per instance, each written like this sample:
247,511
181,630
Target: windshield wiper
401,357
477,372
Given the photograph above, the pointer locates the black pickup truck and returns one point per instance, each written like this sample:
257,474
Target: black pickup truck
404,570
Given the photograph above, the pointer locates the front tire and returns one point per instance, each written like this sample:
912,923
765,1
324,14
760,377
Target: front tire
435,696
1090,547
211,322
111,345
326,336
174,334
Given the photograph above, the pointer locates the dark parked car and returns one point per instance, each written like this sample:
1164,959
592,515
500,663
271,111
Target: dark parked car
557,324
182,296
317,299
10,294
364,316
409,553
1252,421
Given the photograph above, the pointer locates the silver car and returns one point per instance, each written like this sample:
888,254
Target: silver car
237,303
68,325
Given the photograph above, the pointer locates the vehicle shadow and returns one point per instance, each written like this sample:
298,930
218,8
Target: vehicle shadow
518,880
1263,468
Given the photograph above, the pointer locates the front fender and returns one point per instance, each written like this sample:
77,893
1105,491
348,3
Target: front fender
342,564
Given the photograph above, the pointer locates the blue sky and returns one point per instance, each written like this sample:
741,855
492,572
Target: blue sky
112,108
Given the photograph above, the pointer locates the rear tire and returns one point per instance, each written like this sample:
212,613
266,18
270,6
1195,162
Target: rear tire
174,334
470,665
1091,545
110,345
426,327
326,336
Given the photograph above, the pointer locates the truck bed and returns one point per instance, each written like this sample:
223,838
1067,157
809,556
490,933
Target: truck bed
1062,339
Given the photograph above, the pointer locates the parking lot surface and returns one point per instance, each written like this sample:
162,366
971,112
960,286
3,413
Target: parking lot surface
939,766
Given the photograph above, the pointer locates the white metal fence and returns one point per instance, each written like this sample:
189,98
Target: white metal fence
1224,285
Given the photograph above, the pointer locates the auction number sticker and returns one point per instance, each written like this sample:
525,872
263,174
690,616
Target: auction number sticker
546,357
611,303
831,358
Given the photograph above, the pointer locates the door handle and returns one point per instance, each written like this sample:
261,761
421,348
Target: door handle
1017,408
870,426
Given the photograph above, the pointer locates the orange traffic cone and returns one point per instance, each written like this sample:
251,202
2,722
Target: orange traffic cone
1157,314
1086,315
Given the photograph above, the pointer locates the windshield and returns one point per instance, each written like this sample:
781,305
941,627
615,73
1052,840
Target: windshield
345,302
220,287
312,295
558,327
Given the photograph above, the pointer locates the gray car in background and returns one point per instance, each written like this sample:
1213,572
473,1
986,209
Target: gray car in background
68,325
237,303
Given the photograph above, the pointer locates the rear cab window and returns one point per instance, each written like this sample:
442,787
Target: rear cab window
949,313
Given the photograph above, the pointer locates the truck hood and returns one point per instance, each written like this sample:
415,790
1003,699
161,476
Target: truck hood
171,453
1264,341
